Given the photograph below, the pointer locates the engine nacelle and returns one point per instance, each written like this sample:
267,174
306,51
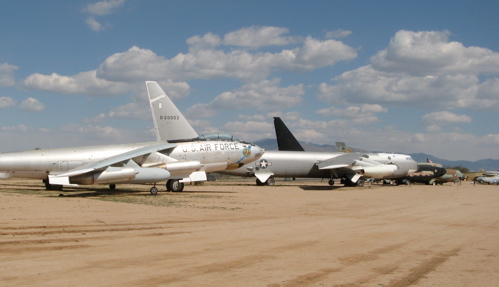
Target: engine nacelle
150,175
110,175
183,166
379,171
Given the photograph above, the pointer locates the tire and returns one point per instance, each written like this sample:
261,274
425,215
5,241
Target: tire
153,190
112,186
360,182
270,181
174,185
331,182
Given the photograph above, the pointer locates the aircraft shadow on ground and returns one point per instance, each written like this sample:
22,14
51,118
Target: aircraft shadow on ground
318,187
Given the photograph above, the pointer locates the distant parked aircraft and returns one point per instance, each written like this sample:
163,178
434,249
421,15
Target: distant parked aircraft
350,168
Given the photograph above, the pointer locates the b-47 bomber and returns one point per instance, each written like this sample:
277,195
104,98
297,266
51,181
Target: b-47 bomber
186,157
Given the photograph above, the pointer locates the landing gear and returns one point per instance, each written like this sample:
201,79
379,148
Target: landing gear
331,182
174,185
270,182
49,186
361,181
153,190
112,186
347,182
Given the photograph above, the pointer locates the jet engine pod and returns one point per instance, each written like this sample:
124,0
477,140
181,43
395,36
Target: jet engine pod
110,175
177,166
379,171
150,175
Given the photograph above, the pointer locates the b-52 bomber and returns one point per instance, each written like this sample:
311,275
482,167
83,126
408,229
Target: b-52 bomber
292,161
186,157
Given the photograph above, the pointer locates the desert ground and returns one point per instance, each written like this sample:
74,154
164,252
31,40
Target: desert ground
297,233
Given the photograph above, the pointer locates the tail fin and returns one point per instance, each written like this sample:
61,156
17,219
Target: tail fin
342,147
285,139
169,122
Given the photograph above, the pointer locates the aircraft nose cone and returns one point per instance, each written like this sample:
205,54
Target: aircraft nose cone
257,152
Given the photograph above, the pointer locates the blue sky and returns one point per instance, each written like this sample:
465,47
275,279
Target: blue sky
399,76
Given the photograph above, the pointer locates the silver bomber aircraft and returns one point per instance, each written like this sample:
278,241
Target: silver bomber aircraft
186,157
292,161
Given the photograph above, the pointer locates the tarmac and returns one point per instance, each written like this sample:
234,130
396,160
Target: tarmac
297,233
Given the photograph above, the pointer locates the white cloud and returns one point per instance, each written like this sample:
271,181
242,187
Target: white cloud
266,95
430,52
94,24
7,75
249,130
208,41
6,102
19,128
424,70
316,53
258,36
205,62
442,118
140,111
103,8
362,112
31,105
338,34
85,83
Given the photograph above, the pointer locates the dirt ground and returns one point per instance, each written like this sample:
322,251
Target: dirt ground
238,234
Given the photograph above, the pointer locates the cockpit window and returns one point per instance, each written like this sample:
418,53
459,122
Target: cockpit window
217,136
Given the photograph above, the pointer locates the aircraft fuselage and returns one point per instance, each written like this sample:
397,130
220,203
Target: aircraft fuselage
201,155
304,164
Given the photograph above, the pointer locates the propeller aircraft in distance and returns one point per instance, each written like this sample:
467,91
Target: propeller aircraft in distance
186,157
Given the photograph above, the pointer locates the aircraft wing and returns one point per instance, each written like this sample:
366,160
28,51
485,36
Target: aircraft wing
344,160
118,158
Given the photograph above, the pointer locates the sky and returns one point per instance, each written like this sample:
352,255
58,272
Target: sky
396,76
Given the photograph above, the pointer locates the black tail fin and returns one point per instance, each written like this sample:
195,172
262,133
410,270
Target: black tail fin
285,139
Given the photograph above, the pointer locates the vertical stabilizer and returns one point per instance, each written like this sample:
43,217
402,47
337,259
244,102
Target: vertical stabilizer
285,139
342,147
169,122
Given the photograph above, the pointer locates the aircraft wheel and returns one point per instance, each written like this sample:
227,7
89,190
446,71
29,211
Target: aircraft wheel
331,182
112,186
270,181
360,182
174,185
153,190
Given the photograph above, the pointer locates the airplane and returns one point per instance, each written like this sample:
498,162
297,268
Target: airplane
186,157
490,177
427,173
291,161
451,175
351,168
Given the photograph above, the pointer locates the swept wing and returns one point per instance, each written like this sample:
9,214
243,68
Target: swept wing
105,163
